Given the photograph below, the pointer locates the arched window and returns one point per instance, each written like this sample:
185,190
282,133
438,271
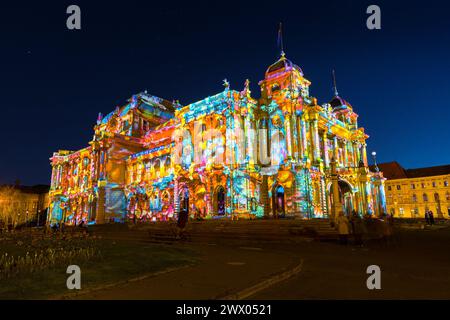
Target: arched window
165,197
414,198
148,169
167,166
157,167
425,197
275,87
436,197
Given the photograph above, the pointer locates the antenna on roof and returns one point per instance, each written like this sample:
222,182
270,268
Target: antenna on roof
334,83
280,39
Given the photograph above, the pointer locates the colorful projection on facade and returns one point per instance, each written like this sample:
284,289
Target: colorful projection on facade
227,156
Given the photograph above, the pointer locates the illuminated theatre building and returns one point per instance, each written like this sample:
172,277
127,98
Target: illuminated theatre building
227,156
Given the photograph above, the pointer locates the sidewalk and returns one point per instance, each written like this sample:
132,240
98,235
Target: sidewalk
222,270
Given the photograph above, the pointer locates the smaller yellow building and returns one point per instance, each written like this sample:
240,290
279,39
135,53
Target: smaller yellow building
412,192
23,204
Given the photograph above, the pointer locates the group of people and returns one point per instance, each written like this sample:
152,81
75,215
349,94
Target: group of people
429,217
357,226
354,225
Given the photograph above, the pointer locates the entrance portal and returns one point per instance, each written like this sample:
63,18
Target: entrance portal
345,196
278,201
220,201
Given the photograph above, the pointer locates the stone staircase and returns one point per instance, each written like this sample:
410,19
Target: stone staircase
223,231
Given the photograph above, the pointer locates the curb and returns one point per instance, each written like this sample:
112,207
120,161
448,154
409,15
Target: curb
247,292
116,284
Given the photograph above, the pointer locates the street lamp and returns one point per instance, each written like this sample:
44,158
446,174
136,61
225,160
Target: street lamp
379,204
374,155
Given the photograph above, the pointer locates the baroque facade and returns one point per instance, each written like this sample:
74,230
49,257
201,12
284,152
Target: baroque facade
412,192
228,155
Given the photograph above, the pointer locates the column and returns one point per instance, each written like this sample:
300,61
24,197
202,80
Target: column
337,206
299,139
265,196
100,214
364,150
325,149
176,198
345,145
305,151
289,140
315,137
336,149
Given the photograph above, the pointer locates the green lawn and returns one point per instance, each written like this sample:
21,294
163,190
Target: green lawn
118,262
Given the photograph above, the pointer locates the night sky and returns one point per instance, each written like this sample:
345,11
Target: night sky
54,81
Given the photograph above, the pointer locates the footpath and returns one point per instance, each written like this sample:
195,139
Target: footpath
223,270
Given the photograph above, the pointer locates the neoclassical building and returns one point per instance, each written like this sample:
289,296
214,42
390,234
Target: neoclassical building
230,155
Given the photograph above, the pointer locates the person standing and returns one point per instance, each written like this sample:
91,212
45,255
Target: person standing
427,217
358,228
431,217
343,228
183,217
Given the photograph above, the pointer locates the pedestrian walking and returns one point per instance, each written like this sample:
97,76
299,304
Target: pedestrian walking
343,228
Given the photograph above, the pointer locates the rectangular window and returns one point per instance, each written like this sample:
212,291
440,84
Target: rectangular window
398,187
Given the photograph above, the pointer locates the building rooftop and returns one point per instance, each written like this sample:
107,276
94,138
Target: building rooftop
393,170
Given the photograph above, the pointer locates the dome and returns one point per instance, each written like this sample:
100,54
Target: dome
283,65
338,103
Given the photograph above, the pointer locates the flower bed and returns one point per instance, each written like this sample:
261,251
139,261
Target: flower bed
28,252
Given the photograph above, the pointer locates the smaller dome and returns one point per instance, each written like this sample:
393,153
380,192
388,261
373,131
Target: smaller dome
337,103
284,65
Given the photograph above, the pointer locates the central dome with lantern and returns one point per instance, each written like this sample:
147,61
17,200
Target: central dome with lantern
281,66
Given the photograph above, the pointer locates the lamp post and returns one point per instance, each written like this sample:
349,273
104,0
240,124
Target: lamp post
374,155
378,198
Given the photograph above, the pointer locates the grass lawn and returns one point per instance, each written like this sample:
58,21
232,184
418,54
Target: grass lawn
118,262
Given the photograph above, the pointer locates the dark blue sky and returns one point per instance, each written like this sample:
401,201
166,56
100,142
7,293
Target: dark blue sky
53,81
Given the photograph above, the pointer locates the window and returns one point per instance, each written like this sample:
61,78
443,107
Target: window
425,197
401,212
445,183
434,184
414,198
389,188
436,197
275,87
413,186
448,196
399,187
423,185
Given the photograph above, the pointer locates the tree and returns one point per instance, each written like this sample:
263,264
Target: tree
11,203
